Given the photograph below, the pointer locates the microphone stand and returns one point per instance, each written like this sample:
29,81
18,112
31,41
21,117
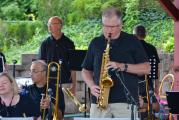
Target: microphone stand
14,68
128,94
85,100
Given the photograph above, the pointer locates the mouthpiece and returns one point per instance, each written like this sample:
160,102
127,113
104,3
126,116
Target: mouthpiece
109,35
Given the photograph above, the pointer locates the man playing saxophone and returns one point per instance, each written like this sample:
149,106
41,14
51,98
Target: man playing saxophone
126,57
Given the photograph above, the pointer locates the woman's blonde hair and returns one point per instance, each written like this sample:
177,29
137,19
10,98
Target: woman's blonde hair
14,83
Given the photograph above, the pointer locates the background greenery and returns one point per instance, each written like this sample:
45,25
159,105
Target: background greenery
23,23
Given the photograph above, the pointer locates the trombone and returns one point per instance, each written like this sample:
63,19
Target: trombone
82,107
53,67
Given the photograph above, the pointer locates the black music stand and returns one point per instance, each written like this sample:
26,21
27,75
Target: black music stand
173,104
1,64
14,68
76,58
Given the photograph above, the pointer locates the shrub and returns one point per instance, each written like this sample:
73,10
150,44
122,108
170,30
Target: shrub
15,33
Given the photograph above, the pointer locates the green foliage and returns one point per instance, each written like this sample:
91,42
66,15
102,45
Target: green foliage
49,8
12,12
17,33
74,11
160,33
17,10
30,47
131,17
84,9
83,32
169,45
113,3
89,9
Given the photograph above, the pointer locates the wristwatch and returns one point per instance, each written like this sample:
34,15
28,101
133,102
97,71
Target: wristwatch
125,67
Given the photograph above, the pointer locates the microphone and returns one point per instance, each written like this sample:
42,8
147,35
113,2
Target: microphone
14,61
50,92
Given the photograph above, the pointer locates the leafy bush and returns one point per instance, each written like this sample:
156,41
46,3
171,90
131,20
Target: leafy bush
12,12
83,32
17,33
131,16
31,46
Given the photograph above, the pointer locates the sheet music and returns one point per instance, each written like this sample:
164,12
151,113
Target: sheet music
104,118
16,118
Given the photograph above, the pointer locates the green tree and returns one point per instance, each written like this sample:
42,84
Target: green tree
131,15
49,8
17,10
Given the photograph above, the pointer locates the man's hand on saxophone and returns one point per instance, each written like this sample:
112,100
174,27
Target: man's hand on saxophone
95,90
87,75
115,66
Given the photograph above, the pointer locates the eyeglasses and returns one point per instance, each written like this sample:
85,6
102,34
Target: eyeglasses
111,26
51,24
35,72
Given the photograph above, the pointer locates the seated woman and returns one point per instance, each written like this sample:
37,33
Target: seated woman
11,103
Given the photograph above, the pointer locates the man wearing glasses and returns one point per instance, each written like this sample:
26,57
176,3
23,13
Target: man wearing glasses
38,72
55,48
127,60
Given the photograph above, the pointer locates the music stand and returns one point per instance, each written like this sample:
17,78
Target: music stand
173,104
76,58
1,64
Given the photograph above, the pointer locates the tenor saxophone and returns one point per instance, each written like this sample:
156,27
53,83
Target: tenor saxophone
105,81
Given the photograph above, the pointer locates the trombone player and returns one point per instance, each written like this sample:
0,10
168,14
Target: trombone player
38,71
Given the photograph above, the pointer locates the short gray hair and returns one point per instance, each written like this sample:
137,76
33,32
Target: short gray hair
42,63
110,12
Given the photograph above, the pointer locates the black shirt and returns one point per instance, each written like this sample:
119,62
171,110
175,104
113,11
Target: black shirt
125,49
55,50
25,106
36,94
2,59
154,61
